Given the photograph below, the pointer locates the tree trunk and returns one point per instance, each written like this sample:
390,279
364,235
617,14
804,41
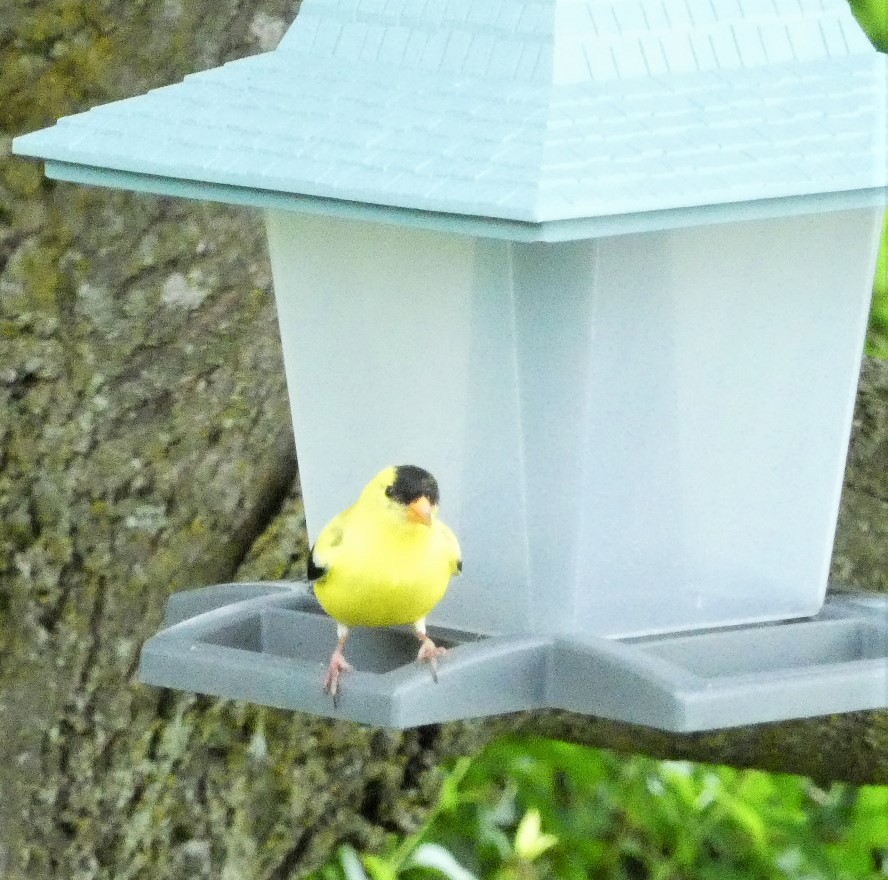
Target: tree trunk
145,447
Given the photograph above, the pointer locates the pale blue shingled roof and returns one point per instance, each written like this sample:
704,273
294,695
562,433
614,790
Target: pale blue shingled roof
529,110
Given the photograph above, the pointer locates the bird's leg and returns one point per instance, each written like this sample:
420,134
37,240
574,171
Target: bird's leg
338,664
429,652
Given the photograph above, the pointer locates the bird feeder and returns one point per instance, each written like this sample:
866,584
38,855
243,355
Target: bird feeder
604,268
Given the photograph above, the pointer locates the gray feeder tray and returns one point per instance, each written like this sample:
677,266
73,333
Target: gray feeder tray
270,643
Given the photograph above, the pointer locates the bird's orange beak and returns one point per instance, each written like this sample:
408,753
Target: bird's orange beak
420,511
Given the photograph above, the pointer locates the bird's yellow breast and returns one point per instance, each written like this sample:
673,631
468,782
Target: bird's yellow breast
386,577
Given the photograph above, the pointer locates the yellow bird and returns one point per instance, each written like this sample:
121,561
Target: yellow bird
385,561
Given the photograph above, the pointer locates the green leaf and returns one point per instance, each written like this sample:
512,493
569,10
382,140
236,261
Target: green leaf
872,15
378,869
530,842
436,858
877,340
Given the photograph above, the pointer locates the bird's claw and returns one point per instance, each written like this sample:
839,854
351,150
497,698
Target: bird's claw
429,653
338,665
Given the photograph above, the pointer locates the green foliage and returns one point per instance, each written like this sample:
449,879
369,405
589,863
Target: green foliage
872,15
877,341
873,18
542,809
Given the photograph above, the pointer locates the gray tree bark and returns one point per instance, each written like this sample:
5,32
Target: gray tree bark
145,447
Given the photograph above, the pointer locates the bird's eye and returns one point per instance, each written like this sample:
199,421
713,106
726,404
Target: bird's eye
389,491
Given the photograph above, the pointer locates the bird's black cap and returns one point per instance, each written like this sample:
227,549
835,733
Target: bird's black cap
412,482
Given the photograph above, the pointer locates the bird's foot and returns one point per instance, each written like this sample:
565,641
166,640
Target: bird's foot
338,665
429,653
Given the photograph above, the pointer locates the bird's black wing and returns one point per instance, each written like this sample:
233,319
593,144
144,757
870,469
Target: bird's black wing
315,571
324,549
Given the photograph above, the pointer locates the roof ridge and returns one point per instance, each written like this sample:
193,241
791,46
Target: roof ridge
565,41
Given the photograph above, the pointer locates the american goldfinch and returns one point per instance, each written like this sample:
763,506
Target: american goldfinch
385,561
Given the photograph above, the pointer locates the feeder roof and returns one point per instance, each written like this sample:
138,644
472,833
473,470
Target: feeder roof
530,111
